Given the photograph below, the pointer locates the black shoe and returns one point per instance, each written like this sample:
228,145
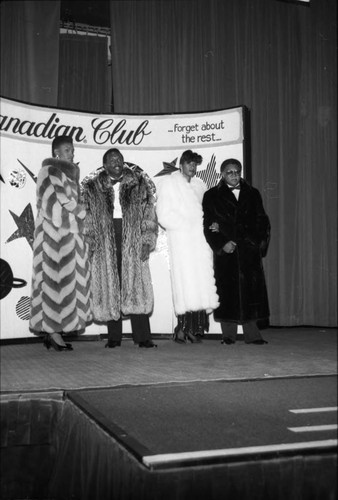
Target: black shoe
192,338
113,343
46,342
259,342
147,344
49,342
178,336
199,336
227,341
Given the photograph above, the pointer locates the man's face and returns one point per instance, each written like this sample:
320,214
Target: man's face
231,174
114,164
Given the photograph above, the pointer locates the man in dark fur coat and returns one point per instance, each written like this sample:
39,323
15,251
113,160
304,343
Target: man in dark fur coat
238,231
121,227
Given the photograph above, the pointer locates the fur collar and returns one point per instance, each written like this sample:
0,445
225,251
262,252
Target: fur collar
69,169
129,179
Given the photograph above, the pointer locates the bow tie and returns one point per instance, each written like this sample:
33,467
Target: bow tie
115,181
236,187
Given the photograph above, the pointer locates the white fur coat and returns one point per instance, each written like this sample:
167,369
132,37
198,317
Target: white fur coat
179,211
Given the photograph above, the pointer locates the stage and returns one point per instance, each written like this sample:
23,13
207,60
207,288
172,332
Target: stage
180,422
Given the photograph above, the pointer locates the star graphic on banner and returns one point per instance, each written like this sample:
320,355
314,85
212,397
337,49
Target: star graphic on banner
25,223
28,171
169,168
1,179
210,176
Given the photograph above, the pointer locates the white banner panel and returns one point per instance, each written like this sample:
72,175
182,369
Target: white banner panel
154,142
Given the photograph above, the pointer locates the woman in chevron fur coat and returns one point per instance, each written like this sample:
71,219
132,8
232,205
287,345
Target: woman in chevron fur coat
60,297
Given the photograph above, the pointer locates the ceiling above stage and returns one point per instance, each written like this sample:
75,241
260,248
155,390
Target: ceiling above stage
94,13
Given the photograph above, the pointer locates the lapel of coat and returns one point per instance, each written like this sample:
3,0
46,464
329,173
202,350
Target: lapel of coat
227,195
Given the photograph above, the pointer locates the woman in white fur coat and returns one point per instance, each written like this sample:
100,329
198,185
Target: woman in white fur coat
179,212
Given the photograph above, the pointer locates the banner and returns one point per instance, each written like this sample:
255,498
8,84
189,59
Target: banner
154,142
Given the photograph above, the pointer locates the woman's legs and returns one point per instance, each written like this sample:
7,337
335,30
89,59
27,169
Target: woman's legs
191,326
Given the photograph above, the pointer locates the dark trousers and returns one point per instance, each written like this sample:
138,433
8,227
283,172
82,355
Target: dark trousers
140,325
140,328
250,331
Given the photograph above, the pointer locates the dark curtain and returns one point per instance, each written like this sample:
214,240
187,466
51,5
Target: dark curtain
278,59
83,73
30,51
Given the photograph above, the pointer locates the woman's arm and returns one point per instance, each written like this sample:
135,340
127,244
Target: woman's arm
59,198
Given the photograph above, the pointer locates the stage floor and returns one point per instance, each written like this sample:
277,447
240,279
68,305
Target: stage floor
170,425
290,352
177,422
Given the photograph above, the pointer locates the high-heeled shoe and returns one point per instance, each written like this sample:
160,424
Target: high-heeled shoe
46,342
192,338
179,336
49,342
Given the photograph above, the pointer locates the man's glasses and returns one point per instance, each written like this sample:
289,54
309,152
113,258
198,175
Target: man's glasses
232,172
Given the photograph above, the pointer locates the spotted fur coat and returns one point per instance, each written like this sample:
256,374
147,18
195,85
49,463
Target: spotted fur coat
134,295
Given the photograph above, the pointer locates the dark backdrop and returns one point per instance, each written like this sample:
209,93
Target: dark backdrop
277,58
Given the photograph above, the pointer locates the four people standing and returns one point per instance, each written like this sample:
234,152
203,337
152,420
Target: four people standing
238,230
179,211
118,224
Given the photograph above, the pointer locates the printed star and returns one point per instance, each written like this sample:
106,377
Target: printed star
169,168
209,175
28,171
26,226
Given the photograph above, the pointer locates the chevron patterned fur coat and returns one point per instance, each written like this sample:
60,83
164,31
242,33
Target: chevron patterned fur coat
179,211
139,227
60,297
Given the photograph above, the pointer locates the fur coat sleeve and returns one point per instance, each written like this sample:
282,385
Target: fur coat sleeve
90,195
149,226
58,195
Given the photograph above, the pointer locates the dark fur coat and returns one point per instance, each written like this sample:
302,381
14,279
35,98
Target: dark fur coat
239,276
139,226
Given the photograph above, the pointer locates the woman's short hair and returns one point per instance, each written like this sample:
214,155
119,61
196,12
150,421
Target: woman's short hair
189,156
231,161
59,140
